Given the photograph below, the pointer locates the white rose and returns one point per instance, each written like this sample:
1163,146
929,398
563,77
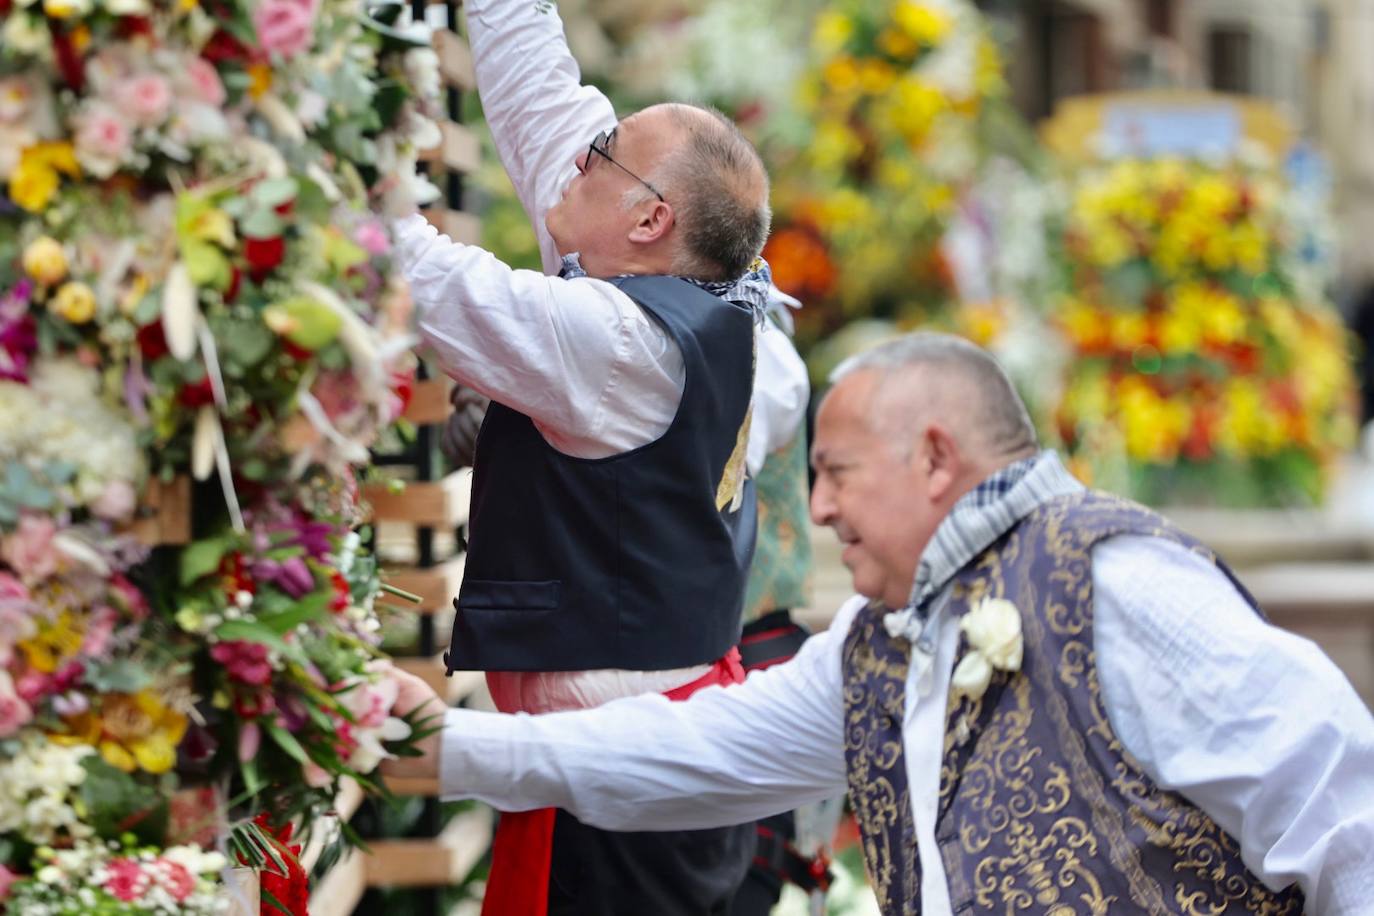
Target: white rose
994,629
27,35
971,676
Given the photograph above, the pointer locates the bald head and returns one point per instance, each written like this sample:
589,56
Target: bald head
718,188
925,377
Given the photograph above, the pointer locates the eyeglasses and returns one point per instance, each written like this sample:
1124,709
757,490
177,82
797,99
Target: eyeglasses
600,146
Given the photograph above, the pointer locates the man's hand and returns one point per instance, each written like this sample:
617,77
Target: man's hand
414,694
458,441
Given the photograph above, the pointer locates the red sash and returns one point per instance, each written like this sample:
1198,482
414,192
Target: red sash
523,849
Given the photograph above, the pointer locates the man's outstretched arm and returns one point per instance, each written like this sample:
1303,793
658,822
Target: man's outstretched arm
725,756
540,114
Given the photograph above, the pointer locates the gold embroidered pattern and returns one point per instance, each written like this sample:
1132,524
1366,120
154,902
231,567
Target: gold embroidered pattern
1041,809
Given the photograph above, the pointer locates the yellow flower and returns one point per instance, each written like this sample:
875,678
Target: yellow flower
55,642
75,302
259,80
832,33
132,731
36,178
926,26
45,261
897,44
66,9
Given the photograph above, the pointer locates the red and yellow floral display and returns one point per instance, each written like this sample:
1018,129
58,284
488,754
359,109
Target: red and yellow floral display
1201,371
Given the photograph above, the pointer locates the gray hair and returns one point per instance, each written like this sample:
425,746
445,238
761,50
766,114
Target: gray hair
718,188
990,408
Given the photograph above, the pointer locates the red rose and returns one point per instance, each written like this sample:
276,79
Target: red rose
295,350
224,47
152,342
403,384
263,255
196,394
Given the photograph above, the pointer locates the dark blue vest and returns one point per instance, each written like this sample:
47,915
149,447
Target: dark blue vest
620,562
1042,811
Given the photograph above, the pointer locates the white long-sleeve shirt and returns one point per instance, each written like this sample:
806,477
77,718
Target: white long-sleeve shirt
1253,724
595,374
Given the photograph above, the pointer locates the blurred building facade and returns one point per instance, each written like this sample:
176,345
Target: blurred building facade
1308,57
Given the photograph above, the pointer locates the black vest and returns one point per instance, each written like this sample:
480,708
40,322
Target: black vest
622,562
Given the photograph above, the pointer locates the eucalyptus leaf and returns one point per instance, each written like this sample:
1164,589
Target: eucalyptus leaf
262,223
120,675
273,192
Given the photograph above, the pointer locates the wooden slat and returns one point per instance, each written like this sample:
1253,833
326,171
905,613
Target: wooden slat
429,401
338,893
438,504
446,859
455,60
165,513
437,586
459,150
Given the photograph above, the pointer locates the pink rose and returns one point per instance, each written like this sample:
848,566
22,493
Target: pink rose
7,878
29,551
116,502
175,879
285,27
204,81
15,624
147,98
98,631
372,237
14,712
11,589
126,880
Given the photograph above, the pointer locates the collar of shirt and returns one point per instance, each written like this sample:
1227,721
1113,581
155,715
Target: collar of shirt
980,517
753,290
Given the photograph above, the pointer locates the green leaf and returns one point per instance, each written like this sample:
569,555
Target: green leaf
252,631
286,741
252,780
201,558
117,803
120,675
308,608
262,223
274,192
242,342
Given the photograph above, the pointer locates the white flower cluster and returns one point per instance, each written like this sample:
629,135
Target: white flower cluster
178,881
37,789
60,417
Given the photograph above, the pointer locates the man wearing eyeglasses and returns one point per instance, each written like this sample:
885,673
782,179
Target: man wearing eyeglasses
611,526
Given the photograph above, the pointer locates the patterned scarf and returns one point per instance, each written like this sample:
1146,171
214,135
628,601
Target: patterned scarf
981,516
750,290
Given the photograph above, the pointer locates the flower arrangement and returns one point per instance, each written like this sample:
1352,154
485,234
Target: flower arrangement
1201,369
895,96
194,298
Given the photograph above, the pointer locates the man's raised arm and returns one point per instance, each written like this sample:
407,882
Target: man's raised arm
540,114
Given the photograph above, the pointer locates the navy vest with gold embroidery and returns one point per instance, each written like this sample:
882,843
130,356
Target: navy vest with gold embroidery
1041,809
636,561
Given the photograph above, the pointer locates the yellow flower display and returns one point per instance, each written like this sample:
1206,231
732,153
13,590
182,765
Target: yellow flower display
137,731
1197,359
892,95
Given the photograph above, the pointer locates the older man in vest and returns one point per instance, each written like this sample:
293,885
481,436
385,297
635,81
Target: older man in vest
1046,700
611,523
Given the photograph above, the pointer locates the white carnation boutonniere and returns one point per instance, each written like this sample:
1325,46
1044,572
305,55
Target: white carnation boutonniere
993,630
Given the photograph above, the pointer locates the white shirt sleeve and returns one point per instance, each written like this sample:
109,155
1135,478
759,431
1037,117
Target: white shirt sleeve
781,392
579,357
541,116
725,756
1254,725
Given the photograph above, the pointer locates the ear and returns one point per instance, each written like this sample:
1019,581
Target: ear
943,459
654,221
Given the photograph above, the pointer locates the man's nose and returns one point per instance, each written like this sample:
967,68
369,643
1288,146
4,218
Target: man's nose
581,161
822,505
